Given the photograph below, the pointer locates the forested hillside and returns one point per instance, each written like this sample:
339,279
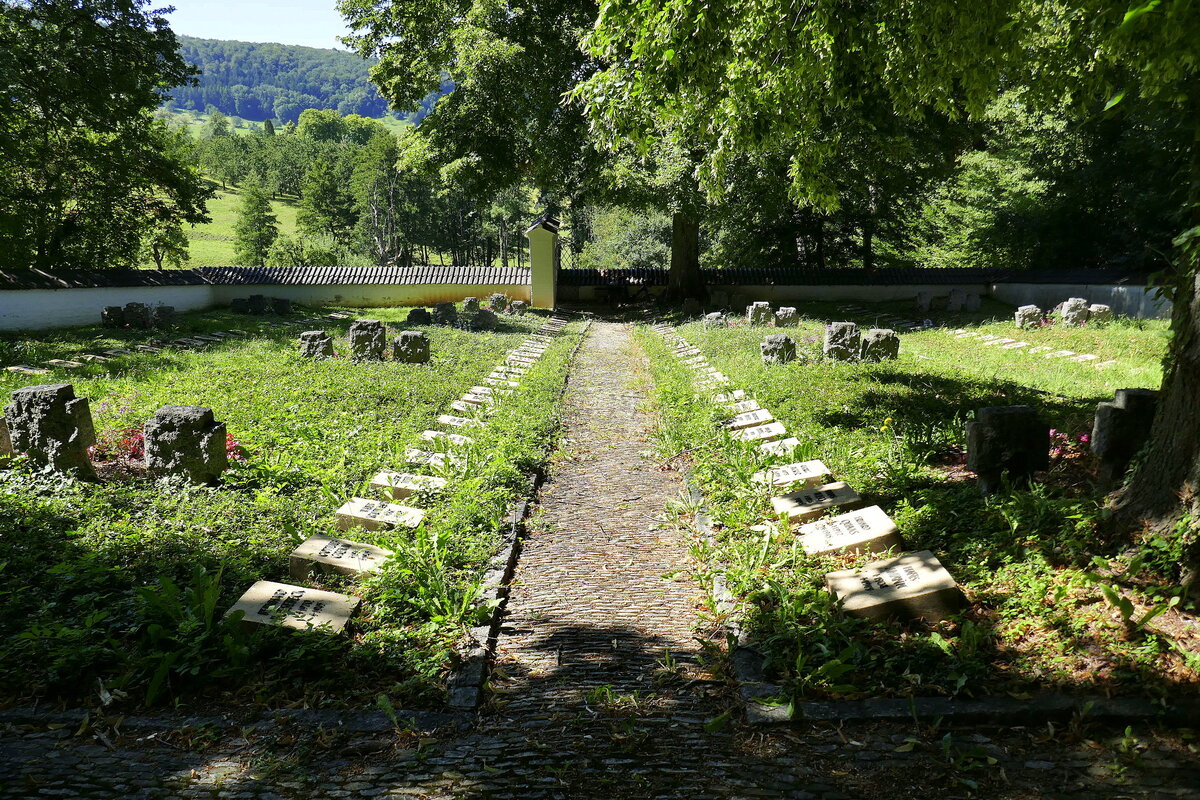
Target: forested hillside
257,81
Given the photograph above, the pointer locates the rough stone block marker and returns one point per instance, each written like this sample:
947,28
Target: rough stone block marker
482,320
924,301
299,607
778,348
164,316
807,473
376,515
445,314
281,306
880,344
1099,314
399,485
787,317
470,305
258,304
1028,317
6,449
868,530
329,554
749,419
112,316
498,302
368,340
1075,311
419,316
911,586
52,427
316,344
842,341
1010,440
761,433
957,301
518,307
411,347
973,302
691,307
714,320
810,502
138,315
1122,427
760,313
186,441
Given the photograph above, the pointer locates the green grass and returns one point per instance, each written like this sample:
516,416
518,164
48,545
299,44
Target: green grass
123,582
895,432
212,244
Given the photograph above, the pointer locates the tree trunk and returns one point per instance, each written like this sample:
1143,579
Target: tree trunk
1165,486
684,279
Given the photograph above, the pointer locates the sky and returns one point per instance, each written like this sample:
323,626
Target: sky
314,23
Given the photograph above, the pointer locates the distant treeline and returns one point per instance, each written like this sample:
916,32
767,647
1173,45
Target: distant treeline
274,81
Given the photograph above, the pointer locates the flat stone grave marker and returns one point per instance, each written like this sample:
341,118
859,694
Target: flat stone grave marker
811,501
398,485
501,382
713,381
478,399
761,433
695,360
781,448
910,586
998,341
1085,358
457,422
1035,350
1105,364
425,458
744,406
964,335
374,515
456,439
145,348
299,607
464,407
987,337
521,360
809,473
868,530
730,397
120,352
26,369
749,419
1060,354
329,554
96,358
205,337
1015,345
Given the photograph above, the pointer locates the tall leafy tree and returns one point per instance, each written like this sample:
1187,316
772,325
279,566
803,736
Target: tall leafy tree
326,207
86,170
257,227
738,77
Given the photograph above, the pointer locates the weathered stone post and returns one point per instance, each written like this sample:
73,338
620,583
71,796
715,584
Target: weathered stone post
112,316
498,302
419,316
258,304
411,347
138,315
1010,440
759,313
786,317
470,305
6,450
164,316
974,303
924,301
842,341
691,307
1122,426
316,344
1028,316
543,261
483,320
445,314
239,305
281,305
186,441
714,320
957,301
518,308
1099,314
1075,311
880,344
368,339
53,427
778,348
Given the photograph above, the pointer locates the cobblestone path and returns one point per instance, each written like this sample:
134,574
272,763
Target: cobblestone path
588,703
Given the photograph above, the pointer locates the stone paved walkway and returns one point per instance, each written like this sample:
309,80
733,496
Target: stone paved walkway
588,704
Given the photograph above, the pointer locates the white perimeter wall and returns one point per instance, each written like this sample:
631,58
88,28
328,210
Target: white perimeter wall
38,309
1128,301
366,296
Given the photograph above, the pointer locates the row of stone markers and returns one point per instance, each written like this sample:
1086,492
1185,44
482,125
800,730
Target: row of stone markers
1006,343
303,607
1073,312
958,300
908,586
